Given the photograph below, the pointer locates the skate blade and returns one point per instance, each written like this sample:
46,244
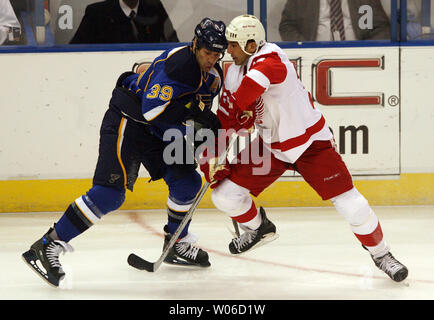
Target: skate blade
266,239
182,263
30,259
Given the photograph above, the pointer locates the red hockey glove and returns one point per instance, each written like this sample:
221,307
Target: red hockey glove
213,172
246,121
236,118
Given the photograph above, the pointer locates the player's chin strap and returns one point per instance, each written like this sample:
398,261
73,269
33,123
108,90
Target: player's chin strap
139,263
251,53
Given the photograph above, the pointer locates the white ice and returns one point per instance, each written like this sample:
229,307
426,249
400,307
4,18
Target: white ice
315,257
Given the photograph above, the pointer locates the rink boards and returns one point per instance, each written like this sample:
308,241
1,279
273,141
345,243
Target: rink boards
375,99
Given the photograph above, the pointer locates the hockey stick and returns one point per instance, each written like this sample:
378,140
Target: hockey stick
237,229
142,264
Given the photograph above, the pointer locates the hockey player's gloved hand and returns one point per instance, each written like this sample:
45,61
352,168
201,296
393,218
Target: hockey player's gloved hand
242,121
246,121
215,173
122,77
202,115
196,106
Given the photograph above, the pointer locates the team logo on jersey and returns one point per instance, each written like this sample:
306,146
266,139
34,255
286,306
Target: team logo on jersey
259,110
215,85
114,177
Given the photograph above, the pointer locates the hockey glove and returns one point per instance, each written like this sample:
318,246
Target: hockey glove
242,121
215,173
246,121
122,77
202,115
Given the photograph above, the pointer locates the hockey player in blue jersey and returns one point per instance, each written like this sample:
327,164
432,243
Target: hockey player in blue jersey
179,86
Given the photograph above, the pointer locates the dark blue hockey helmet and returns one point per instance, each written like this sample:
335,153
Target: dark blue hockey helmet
210,34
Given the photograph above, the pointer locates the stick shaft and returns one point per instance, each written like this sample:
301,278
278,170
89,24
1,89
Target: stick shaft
237,229
152,267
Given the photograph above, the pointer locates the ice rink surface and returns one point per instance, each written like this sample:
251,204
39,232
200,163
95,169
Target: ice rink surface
316,257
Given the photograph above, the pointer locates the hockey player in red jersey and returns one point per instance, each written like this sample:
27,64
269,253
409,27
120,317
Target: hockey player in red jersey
262,89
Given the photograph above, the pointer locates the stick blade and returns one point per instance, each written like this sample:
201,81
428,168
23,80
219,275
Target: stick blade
136,262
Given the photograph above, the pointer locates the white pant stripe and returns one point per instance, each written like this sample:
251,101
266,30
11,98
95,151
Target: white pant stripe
86,211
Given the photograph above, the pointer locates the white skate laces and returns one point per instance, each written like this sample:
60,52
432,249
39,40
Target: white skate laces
245,239
388,263
392,267
185,253
187,250
54,249
250,239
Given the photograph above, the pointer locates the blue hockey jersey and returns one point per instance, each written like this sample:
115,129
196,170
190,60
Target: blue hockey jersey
173,79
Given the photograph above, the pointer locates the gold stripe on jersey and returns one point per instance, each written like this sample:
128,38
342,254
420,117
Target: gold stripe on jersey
121,132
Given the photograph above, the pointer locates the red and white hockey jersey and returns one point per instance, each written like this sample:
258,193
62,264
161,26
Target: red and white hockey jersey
286,117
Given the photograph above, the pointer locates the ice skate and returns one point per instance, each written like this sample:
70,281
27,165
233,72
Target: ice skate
392,267
184,253
43,258
253,238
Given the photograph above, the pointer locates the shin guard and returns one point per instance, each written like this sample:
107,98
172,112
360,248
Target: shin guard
362,219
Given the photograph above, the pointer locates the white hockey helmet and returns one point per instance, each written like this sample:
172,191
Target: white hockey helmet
244,28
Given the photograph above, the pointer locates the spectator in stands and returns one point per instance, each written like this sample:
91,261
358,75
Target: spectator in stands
332,20
419,24
10,28
125,21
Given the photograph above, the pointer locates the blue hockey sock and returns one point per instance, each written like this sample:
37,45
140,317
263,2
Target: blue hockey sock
86,210
176,211
173,223
182,192
70,224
